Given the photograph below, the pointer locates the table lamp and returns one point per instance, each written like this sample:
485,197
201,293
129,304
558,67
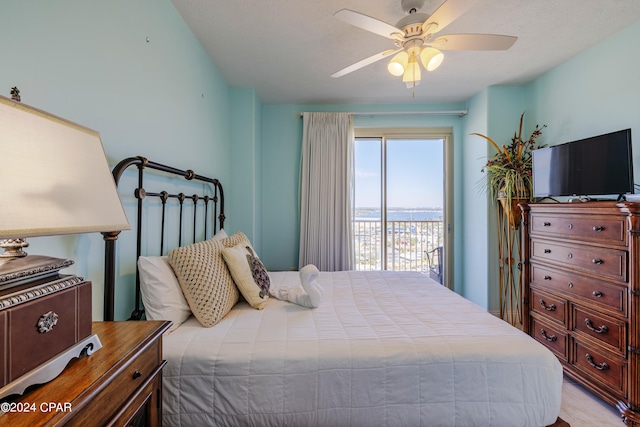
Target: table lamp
54,180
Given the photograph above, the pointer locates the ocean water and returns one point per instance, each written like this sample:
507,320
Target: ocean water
399,215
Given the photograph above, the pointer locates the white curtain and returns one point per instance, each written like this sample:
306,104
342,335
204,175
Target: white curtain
326,191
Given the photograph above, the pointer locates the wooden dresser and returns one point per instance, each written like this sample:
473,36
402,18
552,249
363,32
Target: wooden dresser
118,385
581,293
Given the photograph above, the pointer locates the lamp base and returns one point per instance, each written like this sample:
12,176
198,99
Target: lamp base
16,271
13,248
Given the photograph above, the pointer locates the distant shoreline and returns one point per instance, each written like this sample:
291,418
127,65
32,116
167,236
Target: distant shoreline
399,214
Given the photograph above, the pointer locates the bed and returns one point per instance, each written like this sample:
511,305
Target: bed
381,348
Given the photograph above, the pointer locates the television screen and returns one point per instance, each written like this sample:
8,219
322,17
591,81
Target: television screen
596,166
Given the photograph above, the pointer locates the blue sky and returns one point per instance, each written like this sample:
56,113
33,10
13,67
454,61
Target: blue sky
414,173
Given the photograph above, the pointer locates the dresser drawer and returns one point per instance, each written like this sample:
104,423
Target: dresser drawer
602,366
610,263
604,294
594,228
114,396
606,330
553,337
548,305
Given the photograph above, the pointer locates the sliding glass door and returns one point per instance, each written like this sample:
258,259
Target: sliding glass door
400,203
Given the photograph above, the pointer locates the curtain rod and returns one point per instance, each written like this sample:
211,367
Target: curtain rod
460,113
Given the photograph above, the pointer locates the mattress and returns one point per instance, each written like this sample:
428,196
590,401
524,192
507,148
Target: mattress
382,349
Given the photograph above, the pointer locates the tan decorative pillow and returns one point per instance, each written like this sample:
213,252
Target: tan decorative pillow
205,280
248,273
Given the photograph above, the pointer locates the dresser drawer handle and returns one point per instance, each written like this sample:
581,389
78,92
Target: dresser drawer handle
601,330
547,251
547,277
597,294
570,226
601,367
570,285
551,307
137,374
598,228
552,338
596,261
546,224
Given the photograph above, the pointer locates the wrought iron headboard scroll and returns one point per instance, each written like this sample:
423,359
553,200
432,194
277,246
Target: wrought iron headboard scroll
140,194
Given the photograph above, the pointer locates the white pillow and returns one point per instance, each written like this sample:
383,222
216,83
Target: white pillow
221,234
161,294
248,272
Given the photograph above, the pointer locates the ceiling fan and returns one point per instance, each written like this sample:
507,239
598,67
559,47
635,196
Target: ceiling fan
416,38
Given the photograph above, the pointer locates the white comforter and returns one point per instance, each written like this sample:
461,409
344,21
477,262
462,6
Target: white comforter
382,349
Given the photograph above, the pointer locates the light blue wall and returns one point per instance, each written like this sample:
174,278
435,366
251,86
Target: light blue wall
594,93
474,225
282,136
161,97
245,189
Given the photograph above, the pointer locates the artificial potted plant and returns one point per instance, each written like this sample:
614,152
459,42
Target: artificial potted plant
509,172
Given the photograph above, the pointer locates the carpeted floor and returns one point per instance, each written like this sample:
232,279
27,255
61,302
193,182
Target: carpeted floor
580,408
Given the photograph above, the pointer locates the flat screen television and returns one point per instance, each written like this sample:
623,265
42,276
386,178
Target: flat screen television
598,166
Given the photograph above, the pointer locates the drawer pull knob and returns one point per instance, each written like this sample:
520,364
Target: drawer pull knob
547,277
547,251
570,285
570,226
601,330
569,255
551,307
47,321
546,224
596,261
598,228
601,367
137,374
552,338
597,294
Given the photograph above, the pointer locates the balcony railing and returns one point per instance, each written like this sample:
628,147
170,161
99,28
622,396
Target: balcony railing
407,243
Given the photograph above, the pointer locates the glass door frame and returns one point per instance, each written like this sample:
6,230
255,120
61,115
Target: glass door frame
446,134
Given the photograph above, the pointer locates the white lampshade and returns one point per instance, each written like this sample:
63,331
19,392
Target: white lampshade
431,58
412,74
398,64
54,176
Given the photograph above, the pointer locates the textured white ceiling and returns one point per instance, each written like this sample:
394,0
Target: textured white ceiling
288,49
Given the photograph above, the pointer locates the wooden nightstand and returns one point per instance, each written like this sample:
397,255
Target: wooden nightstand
120,384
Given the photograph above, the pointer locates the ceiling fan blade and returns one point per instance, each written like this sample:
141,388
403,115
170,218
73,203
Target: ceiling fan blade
360,64
448,12
370,24
473,42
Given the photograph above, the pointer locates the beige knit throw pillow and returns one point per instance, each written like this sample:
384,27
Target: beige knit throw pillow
205,280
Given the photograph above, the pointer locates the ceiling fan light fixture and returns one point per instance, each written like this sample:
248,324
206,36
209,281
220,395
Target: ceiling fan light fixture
398,64
412,74
431,58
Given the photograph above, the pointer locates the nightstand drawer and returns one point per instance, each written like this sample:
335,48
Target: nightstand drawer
549,305
605,294
553,337
605,262
604,229
606,330
608,369
115,395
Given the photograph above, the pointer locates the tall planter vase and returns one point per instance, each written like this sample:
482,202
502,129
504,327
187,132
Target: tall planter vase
509,255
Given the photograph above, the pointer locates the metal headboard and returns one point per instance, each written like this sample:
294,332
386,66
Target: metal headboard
163,197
